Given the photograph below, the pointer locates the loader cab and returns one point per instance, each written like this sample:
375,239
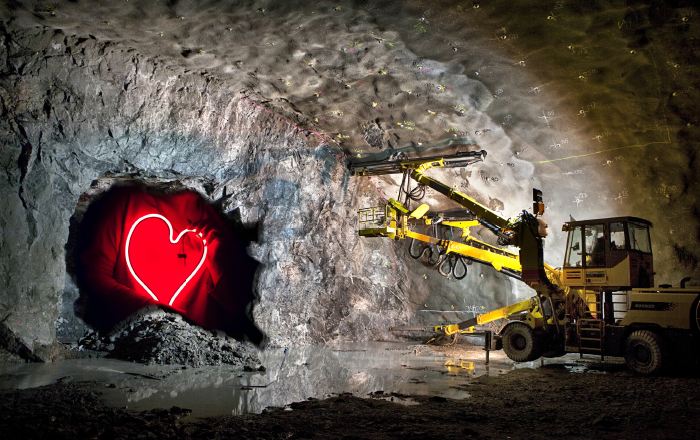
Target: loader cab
610,253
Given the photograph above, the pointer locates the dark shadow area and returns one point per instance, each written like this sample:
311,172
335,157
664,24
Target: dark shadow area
215,287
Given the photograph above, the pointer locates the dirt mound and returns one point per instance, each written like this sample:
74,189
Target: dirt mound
153,336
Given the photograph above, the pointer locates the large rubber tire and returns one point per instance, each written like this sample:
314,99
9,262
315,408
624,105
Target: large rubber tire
521,343
644,352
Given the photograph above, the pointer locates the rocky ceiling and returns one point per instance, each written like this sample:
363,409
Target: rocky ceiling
260,105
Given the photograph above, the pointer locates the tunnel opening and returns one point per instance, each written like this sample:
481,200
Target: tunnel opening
154,256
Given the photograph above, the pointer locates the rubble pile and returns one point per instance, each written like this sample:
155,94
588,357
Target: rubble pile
158,337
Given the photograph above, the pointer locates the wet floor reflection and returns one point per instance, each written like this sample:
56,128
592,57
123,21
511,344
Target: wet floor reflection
308,372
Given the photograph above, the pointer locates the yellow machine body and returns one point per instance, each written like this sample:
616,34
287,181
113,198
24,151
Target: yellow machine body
602,300
666,307
608,254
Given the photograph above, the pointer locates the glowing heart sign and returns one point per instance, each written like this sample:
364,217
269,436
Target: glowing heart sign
162,264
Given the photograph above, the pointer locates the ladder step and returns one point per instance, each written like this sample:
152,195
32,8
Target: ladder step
590,339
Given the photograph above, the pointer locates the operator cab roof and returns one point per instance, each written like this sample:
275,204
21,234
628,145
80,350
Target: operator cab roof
609,220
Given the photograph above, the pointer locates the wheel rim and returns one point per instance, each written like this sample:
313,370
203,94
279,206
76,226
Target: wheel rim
518,342
641,354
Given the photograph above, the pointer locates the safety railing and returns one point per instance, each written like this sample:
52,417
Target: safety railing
371,218
377,222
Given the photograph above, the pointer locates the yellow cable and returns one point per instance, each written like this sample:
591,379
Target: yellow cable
601,151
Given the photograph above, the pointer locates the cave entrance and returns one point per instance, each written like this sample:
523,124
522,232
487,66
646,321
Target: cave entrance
136,242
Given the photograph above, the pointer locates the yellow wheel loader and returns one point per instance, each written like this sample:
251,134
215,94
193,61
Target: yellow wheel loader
601,301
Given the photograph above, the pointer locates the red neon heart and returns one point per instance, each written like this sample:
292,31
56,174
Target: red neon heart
158,261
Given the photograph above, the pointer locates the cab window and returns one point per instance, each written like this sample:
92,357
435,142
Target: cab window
639,237
574,248
595,245
617,236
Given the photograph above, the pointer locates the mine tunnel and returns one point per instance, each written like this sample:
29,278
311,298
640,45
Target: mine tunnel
124,254
363,219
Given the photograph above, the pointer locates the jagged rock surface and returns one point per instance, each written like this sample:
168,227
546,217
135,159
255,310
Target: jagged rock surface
81,109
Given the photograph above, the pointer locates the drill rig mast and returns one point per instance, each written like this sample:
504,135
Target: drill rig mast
526,232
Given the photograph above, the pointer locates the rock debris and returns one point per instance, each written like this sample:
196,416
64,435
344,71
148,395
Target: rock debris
153,336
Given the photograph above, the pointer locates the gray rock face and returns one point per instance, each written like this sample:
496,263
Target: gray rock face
90,109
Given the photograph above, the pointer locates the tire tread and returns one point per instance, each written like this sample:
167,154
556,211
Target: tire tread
654,344
530,353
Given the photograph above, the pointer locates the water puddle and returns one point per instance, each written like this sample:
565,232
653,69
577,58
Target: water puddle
377,370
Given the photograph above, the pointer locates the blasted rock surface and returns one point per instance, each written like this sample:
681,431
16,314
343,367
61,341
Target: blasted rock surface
90,109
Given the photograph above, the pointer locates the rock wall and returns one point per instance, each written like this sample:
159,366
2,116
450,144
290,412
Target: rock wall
75,109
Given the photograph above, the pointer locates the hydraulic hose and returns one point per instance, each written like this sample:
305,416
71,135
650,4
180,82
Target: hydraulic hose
421,253
442,265
441,255
453,260
460,259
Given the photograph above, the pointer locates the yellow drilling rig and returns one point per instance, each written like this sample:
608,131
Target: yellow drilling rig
601,301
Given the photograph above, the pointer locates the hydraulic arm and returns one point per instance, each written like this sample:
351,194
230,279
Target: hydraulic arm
525,232
529,305
499,225
400,164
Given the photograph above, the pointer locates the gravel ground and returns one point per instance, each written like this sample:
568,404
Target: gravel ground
524,404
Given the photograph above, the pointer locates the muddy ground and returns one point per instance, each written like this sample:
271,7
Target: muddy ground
547,402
